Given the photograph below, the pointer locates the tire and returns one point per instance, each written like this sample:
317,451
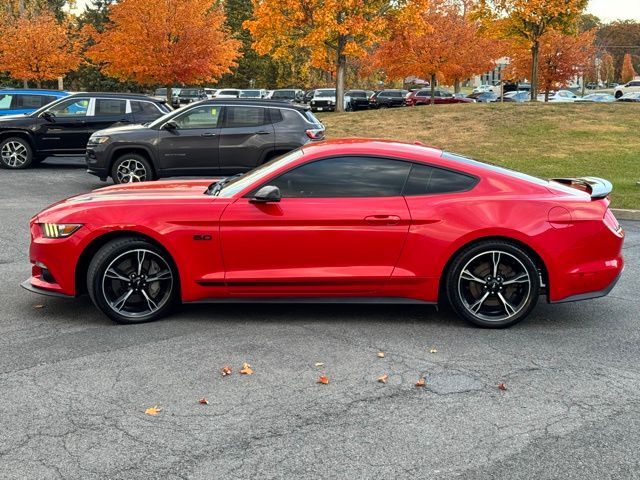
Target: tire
15,153
383,105
131,167
490,296
618,94
118,281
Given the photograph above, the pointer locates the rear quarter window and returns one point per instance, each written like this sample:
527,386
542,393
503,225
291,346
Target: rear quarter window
428,180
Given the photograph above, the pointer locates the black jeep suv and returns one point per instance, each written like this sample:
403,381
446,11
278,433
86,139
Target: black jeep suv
212,137
64,126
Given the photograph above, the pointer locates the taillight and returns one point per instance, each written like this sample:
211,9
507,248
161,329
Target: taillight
611,222
315,133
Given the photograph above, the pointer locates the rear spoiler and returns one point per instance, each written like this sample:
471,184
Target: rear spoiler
596,187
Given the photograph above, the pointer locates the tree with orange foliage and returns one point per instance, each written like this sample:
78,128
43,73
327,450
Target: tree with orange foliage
527,21
451,48
628,72
38,48
178,42
607,68
330,30
561,58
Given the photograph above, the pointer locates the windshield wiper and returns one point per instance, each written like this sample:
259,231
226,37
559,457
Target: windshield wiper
215,187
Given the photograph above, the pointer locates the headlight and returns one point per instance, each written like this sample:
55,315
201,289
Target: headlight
58,230
98,139
331,102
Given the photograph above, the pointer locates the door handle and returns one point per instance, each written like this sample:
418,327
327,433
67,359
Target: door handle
263,132
208,134
382,219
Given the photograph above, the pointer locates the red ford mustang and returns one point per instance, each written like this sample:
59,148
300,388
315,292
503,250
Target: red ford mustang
342,221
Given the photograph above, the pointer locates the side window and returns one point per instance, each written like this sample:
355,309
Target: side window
275,114
73,107
144,108
32,101
204,116
244,117
110,106
344,177
5,102
426,180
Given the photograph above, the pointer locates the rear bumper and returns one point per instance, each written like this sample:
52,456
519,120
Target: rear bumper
590,295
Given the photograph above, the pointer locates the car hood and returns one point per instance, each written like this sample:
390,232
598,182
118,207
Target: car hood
166,188
123,129
8,121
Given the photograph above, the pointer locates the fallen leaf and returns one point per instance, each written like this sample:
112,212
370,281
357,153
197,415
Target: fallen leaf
38,306
203,401
380,354
383,378
226,370
319,364
323,379
153,410
502,386
246,369
433,350
420,383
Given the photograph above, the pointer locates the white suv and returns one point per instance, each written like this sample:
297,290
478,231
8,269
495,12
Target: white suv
632,86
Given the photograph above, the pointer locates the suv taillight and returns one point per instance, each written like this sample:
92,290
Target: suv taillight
315,133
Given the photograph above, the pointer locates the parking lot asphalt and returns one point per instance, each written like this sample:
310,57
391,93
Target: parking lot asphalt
74,387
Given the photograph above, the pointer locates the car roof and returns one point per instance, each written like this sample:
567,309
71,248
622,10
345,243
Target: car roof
33,91
252,102
113,95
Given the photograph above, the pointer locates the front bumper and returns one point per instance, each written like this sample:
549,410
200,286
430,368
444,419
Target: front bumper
28,285
96,165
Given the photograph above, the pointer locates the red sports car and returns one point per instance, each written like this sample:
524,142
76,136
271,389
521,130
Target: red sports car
340,221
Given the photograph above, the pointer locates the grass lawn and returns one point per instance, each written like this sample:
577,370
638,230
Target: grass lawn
548,140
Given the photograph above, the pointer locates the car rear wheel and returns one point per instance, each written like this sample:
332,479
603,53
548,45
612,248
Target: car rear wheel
15,153
132,281
493,284
131,167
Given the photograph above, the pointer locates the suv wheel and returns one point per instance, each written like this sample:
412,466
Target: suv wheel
618,93
15,153
132,281
131,167
493,284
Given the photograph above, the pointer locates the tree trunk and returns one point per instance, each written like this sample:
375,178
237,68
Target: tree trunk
341,60
60,83
535,49
39,84
433,88
546,94
170,95
457,86
25,84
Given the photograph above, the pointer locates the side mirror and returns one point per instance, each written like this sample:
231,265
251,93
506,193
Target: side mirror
266,194
170,126
47,115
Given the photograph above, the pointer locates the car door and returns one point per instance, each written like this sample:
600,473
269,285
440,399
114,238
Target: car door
246,135
63,127
106,112
338,229
189,144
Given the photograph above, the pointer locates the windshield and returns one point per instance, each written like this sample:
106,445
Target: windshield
325,93
240,183
284,94
189,92
357,94
47,107
250,93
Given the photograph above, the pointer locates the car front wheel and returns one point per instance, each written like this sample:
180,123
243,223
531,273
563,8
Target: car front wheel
15,153
493,284
131,167
132,281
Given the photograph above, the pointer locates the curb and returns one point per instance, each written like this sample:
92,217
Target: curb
626,214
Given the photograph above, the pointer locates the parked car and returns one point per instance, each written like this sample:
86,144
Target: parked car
324,100
160,95
423,97
190,95
64,126
253,93
516,87
21,101
483,97
632,86
343,221
292,95
219,136
211,92
514,96
561,96
358,99
592,86
228,93
597,97
388,98
630,97
485,88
